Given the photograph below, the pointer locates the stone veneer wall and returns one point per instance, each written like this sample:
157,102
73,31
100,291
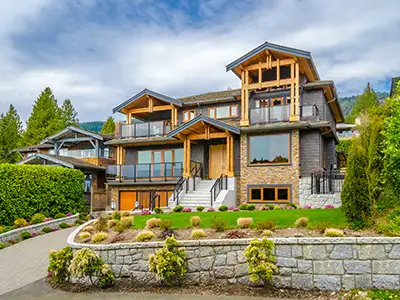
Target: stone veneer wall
304,263
37,228
270,174
316,200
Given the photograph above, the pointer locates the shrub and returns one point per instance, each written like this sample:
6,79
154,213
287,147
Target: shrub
219,224
187,209
84,236
243,207
26,235
127,222
2,245
20,222
59,263
210,209
288,207
87,263
88,229
59,216
291,204
169,263
101,223
394,214
145,236
63,225
329,206
178,208
112,223
200,208
145,212
99,237
267,233
307,206
48,219
235,234
158,210
195,221
116,215
153,223
37,218
168,233
266,207
245,222
223,208
78,222
125,213
46,229
301,222
5,228
50,190
165,224
251,207
392,228
277,207
333,232
266,225
69,214
259,256
198,234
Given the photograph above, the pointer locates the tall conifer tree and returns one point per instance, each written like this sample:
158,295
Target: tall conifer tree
69,116
10,135
109,126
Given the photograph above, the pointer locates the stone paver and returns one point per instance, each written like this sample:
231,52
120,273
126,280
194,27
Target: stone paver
27,261
39,291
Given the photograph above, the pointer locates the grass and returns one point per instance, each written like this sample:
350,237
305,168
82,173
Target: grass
283,218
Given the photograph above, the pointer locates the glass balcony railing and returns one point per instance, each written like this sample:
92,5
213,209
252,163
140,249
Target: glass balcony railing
82,153
158,128
157,171
270,114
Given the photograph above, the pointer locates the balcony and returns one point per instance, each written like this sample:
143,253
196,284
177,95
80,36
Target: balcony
270,114
82,153
148,129
145,172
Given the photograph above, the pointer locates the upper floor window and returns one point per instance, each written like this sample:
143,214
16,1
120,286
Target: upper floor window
222,112
188,115
272,101
269,149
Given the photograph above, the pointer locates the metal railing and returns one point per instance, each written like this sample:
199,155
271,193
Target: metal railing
196,169
220,184
161,171
153,202
329,182
270,114
178,188
158,128
82,153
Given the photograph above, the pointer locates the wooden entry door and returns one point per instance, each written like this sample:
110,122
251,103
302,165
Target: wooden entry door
127,200
217,161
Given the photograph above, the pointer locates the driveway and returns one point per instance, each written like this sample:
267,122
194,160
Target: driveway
27,261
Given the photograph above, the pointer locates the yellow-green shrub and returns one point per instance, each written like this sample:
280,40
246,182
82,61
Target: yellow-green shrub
111,223
20,222
99,237
145,236
153,223
88,229
101,223
267,233
301,222
333,232
195,221
198,234
84,235
125,213
245,222
127,222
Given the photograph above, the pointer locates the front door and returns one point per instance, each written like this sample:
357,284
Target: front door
217,161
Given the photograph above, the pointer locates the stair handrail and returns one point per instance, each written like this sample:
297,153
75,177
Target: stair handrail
153,202
178,188
220,184
197,168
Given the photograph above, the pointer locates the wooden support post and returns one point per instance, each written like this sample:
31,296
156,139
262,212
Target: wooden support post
292,111
150,103
278,71
259,75
228,154
188,158
297,91
185,157
245,111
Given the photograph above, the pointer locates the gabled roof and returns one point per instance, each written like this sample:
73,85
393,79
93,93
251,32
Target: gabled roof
33,148
65,161
202,118
72,129
393,87
146,92
211,97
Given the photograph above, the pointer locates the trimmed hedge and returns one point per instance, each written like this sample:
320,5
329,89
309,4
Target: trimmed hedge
28,189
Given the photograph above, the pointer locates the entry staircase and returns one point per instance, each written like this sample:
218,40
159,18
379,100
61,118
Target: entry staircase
199,197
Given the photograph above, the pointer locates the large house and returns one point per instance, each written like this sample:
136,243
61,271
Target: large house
261,143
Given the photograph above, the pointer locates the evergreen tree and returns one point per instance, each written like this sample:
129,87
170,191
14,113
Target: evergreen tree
109,126
364,102
69,116
45,118
10,135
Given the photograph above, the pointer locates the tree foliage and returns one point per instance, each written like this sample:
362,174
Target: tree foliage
364,102
109,126
69,116
10,135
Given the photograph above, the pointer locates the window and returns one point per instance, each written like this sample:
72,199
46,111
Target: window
269,194
269,149
222,112
188,115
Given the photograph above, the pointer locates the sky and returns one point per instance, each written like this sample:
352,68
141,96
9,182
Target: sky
98,53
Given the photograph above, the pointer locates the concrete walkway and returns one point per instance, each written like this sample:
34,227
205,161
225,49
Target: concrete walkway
27,261
40,291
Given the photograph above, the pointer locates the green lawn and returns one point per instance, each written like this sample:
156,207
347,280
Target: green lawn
283,218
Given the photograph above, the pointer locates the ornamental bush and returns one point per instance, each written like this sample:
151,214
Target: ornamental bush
99,237
200,208
158,210
37,218
60,216
259,256
244,207
165,224
63,225
333,232
59,263
169,263
20,222
219,225
251,207
116,215
245,222
223,208
28,189
84,236
112,223
101,224
125,213
301,222
145,236
266,225
198,234
195,221
178,208
26,235
153,223
46,229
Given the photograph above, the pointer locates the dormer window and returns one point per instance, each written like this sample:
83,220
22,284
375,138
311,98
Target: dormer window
188,115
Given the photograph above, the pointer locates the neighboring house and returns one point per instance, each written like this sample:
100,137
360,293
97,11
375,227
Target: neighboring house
75,148
346,131
393,87
257,144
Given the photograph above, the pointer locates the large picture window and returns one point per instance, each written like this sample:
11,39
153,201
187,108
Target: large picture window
269,194
269,149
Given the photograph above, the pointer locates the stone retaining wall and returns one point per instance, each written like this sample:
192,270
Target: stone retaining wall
304,263
316,200
37,228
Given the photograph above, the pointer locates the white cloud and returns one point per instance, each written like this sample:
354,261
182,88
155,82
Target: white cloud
98,61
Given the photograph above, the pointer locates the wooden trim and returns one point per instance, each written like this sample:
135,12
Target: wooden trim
267,84
188,111
275,187
270,164
267,65
229,111
161,107
202,136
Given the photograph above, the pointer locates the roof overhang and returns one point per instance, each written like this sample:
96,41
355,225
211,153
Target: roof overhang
122,107
197,126
278,51
39,156
71,129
